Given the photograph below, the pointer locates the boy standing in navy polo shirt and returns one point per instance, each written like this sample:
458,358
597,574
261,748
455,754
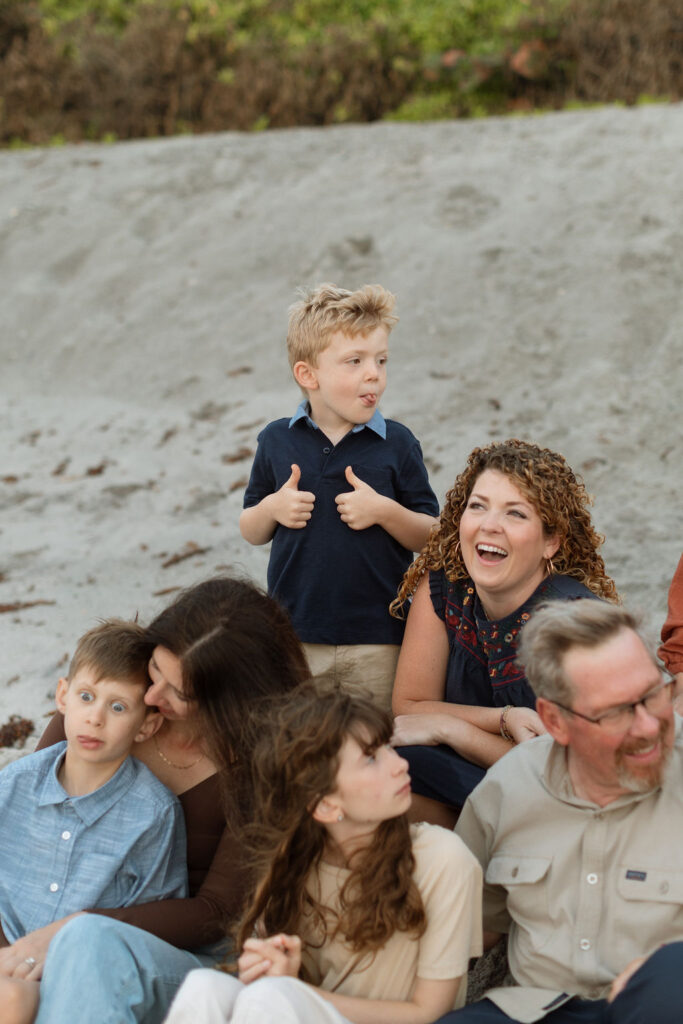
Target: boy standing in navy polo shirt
342,493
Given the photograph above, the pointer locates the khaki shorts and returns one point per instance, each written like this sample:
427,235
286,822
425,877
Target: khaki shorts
363,670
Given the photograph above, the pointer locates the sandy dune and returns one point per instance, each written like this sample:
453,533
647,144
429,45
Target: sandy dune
538,265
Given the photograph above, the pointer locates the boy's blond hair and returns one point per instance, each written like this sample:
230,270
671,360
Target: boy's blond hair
322,311
115,649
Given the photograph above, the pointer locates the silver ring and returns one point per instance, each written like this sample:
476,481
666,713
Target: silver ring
31,961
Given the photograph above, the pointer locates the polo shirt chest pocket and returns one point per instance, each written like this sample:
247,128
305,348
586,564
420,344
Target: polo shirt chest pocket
526,881
380,478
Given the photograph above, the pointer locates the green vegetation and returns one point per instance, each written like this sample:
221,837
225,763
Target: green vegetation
479,26
115,69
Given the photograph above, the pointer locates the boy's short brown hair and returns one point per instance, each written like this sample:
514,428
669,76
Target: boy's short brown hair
322,311
114,649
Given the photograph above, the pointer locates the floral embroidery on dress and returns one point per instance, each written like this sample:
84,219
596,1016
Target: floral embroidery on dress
492,643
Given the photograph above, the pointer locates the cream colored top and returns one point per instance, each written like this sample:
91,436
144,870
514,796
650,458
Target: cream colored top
583,890
449,880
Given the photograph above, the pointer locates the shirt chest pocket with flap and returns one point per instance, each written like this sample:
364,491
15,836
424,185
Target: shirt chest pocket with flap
650,902
526,881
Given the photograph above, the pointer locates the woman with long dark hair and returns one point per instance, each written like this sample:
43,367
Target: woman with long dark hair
217,650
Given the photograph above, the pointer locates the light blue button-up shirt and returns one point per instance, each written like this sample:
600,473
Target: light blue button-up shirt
122,844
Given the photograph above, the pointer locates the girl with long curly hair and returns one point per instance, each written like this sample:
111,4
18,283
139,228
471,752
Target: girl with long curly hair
354,914
515,532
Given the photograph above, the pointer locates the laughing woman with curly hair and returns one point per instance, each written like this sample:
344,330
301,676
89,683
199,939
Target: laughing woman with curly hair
354,915
515,532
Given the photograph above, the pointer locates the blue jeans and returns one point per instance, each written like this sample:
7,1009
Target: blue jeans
99,969
654,995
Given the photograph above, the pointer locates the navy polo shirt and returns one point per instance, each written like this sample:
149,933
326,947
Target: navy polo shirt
335,582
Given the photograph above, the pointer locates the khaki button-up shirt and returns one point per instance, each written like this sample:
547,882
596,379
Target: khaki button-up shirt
582,890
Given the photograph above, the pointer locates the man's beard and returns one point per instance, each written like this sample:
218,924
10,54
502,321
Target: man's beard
647,777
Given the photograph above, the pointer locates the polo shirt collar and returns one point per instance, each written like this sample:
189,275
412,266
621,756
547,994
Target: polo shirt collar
377,423
93,805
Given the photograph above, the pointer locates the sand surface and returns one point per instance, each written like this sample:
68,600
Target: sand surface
538,265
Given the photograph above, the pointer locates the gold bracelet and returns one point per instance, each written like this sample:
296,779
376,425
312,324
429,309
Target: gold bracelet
504,731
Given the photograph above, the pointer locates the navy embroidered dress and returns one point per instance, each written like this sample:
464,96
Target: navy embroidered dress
481,671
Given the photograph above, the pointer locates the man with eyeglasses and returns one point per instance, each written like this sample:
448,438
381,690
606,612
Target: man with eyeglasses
580,832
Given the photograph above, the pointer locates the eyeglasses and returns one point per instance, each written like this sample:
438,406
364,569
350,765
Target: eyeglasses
620,719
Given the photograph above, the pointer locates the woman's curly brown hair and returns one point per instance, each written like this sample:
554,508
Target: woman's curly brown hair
560,499
295,765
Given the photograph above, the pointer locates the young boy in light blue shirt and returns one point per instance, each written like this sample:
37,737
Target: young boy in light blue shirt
85,826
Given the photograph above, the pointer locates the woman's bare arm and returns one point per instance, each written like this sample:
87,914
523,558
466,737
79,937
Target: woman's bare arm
420,684
423,661
423,716
429,1001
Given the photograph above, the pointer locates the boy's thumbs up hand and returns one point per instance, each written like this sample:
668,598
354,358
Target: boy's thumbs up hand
360,507
290,506
355,481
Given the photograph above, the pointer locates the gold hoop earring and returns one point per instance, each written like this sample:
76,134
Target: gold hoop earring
549,567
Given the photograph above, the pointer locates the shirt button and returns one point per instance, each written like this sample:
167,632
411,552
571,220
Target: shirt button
585,944
515,872
592,879
53,887
326,451
66,834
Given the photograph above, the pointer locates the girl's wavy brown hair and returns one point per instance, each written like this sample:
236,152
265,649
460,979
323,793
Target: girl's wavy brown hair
295,765
560,499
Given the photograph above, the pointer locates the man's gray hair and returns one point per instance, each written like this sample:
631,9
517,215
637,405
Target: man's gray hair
557,627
